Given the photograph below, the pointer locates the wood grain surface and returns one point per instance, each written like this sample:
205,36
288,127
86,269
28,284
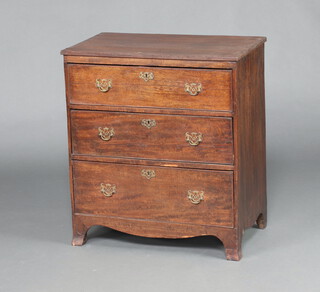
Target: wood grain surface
149,62
163,197
251,133
165,141
166,90
167,46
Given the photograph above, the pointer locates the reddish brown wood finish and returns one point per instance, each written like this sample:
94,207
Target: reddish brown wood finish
150,62
165,141
166,90
151,162
243,57
153,110
162,198
252,139
155,229
166,46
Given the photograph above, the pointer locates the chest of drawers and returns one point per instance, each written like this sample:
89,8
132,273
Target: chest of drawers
167,135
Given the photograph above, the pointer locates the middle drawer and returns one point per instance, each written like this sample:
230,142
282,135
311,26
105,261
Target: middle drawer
159,137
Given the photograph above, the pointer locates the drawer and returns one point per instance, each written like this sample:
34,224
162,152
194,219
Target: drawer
152,136
157,193
132,86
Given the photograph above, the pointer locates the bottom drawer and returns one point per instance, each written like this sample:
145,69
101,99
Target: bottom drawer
155,193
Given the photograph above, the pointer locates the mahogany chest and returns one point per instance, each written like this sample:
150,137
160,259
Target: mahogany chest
167,135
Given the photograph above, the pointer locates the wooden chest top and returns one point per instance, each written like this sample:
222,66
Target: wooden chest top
164,46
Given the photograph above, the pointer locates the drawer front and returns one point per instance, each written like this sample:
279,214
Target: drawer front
150,87
156,193
164,137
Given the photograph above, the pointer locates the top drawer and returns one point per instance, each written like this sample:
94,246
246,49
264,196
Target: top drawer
176,88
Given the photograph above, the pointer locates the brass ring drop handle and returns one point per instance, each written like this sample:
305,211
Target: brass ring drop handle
107,189
193,88
195,197
104,84
193,138
106,133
